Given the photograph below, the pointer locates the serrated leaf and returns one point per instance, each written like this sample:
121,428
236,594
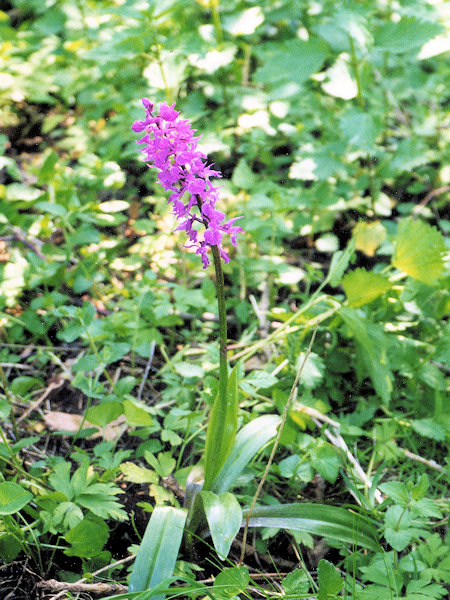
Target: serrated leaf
361,286
330,582
158,552
136,474
418,251
224,516
430,428
231,582
296,584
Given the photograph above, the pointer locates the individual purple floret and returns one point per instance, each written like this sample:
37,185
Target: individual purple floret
170,145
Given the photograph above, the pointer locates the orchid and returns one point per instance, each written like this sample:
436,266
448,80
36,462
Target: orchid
170,145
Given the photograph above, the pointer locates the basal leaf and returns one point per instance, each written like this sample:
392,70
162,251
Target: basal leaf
224,516
331,522
418,251
361,286
247,444
221,433
158,552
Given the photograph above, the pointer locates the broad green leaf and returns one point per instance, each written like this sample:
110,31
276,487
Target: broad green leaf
9,547
87,538
13,497
224,516
418,251
158,552
373,346
293,61
361,286
405,35
104,413
221,430
397,522
247,444
360,129
330,582
331,522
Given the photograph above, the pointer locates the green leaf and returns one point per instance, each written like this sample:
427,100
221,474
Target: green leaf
430,428
13,497
87,538
397,492
291,61
361,286
418,251
104,413
405,35
249,441
397,533
330,582
327,462
372,344
136,474
339,263
224,516
243,177
296,584
158,552
231,582
331,522
220,434
360,130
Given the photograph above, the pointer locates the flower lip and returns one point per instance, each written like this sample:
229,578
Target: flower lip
170,145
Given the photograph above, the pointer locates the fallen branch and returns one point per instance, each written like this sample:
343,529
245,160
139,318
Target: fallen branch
92,588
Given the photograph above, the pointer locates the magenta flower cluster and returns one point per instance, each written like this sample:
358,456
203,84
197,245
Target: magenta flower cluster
171,146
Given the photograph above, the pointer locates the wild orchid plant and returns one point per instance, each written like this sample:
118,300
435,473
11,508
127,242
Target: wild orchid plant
169,144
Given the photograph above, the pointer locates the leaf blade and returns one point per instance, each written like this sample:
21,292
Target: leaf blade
155,560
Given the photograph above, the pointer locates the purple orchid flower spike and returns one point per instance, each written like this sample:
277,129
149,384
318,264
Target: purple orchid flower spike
171,146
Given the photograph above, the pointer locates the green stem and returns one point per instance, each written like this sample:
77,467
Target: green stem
214,8
223,364
10,401
356,72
